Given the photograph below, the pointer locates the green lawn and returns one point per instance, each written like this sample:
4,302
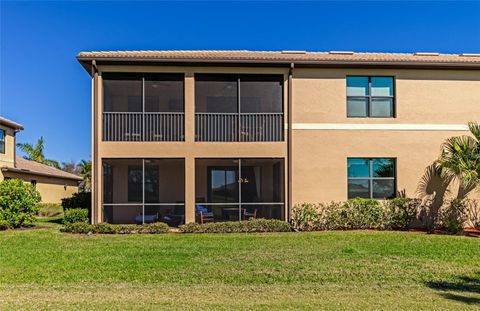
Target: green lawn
45,269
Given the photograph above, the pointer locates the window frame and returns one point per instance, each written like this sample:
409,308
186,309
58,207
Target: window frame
369,96
237,78
371,178
2,141
143,77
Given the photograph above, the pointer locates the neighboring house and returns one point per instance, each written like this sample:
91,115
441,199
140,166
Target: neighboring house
53,184
222,135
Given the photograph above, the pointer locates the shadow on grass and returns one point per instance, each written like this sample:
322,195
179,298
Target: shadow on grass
464,289
50,220
58,220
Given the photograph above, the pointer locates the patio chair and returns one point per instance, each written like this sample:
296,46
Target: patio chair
247,215
203,214
139,219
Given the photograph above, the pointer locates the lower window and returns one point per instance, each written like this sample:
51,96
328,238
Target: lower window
144,191
371,178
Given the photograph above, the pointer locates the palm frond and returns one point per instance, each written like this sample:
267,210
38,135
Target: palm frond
28,149
475,130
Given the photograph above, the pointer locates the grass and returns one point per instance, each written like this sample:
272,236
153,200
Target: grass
357,270
50,209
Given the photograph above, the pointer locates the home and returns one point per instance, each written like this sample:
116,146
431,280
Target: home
184,136
52,184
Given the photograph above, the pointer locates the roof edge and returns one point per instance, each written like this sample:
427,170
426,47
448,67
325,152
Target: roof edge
11,124
86,61
29,172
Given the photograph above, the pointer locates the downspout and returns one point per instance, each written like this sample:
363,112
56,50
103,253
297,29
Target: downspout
289,143
94,211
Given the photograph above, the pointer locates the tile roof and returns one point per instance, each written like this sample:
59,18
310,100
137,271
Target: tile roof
31,167
341,57
10,124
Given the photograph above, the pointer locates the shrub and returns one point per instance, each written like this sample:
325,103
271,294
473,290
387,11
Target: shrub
49,209
18,203
79,200
106,228
75,215
454,215
401,212
4,225
154,228
307,217
252,225
356,214
77,227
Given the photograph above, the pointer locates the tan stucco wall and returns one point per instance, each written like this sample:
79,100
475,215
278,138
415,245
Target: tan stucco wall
421,96
319,156
52,189
7,158
320,175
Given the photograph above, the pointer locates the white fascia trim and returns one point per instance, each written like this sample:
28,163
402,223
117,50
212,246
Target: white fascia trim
379,127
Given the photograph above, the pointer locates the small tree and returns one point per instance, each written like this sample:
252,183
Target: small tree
35,153
460,160
85,168
18,202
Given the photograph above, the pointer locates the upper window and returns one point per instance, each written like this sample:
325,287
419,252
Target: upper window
372,178
370,97
142,92
2,141
143,107
238,93
242,107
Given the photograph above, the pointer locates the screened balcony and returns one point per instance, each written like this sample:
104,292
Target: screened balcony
239,189
139,107
144,191
246,108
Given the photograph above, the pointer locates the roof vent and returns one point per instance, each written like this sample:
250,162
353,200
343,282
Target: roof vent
426,54
294,52
341,52
470,55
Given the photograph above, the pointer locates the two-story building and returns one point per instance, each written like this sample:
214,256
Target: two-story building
52,184
228,135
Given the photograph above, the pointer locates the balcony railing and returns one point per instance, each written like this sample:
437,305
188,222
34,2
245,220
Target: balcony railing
249,127
149,126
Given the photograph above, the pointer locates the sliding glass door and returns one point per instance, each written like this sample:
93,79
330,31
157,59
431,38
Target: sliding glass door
239,189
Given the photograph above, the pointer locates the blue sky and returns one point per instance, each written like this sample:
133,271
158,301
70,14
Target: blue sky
43,87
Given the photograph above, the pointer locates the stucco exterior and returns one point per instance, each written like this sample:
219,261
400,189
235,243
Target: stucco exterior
52,184
430,106
51,189
7,158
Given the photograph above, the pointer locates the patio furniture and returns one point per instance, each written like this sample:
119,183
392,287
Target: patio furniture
176,217
247,215
203,214
139,219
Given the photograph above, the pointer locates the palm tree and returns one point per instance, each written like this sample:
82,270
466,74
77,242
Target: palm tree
86,172
460,160
35,153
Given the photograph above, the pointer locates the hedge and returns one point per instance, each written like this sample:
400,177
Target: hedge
252,225
106,228
393,214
